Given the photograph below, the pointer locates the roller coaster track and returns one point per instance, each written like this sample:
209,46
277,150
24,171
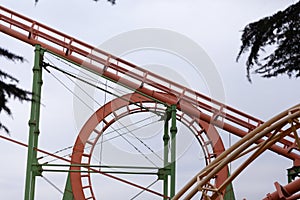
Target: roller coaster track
279,126
143,82
136,78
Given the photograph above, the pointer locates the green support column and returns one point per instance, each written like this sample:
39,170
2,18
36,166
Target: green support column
68,193
32,164
229,193
166,139
173,131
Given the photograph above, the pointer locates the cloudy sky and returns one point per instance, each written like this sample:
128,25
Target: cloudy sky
215,26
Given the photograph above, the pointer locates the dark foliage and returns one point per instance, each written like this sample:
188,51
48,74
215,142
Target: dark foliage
8,87
113,2
11,56
280,33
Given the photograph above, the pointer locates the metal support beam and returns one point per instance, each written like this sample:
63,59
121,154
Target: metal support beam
169,170
32,164
68,193
173,131
166,139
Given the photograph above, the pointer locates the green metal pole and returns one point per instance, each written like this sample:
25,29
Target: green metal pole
166,139
68,193
32,164
173,131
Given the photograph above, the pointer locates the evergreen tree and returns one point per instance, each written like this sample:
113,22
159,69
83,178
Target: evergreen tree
8,87
113,2
280,33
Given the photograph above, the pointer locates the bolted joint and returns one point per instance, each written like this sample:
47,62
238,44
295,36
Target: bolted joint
40,82
166,137
37,169
173,108
173,129
167,115
173,116
32,122
162,172
37,132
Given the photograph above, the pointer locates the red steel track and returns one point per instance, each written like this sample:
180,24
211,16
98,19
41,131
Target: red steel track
121,107
134,77
141,81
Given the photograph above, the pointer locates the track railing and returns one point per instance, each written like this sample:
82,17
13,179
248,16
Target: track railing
280,125
136,78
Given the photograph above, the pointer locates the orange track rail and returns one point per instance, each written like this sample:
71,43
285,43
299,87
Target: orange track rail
136,78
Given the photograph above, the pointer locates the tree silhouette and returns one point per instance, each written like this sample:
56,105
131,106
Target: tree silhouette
280,33
113,2
8,87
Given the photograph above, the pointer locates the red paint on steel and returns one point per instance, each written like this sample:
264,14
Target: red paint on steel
83,137
232,120
106,110
91,169
284,192
190,102
39,150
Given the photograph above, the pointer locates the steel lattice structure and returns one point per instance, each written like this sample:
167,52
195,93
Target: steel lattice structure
153,93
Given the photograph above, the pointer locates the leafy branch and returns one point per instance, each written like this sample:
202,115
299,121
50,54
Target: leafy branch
280,32
9,88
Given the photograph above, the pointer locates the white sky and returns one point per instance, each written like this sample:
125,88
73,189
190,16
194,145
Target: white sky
216,27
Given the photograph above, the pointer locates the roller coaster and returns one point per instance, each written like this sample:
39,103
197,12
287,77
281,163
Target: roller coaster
166,99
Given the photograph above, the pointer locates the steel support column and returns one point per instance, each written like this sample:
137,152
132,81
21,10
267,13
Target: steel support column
166,139
33,169
68,193
173,131
169,170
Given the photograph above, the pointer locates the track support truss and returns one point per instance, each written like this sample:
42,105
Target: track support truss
170,166
33,168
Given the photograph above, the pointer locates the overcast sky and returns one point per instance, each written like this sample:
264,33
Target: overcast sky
214,25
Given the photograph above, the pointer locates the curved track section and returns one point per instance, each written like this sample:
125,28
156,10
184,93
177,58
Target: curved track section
155,88
286,123
134,77
121,107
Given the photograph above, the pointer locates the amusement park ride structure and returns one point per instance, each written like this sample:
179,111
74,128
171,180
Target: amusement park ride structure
153,93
